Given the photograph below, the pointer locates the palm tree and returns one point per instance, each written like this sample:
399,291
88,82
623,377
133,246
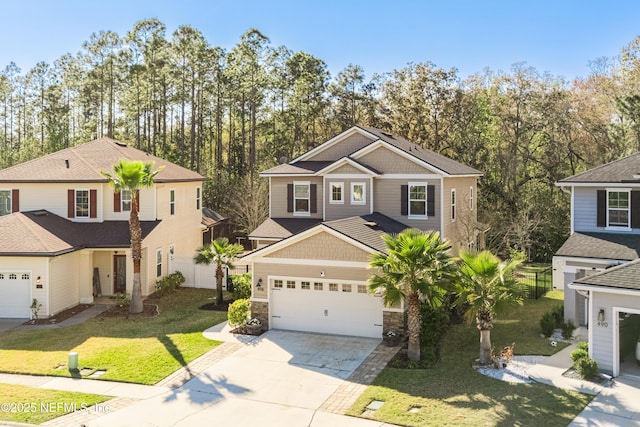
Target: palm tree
132,175
486,286
221,253
416,267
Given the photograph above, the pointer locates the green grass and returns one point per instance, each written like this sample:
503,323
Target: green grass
35,406
137,350
453,393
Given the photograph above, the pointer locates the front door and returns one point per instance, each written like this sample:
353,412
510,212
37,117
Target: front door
119,273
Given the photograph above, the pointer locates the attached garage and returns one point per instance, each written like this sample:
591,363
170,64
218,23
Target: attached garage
332,307
15,294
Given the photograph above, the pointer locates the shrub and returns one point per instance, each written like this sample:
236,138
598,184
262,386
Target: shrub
586,367
241,286
122,299
547,324
583,345
579,353
567,329
558,314
170,282
239,311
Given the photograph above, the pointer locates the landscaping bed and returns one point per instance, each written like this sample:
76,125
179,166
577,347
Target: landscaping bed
63,315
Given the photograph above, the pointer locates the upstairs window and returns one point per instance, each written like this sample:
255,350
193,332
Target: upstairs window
470,198
618,208
453,204
337,193
5,202
418,200
358,193
82,203
172,202
125,201
198,198
301,198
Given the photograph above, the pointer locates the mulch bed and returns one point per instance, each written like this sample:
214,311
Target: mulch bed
63,315
213,307
149,310
600,380
243,331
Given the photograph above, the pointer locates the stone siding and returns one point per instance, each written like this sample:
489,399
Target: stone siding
394,321
260,310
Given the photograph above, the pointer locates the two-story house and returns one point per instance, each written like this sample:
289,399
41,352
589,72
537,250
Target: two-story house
605,233
64,233
327,212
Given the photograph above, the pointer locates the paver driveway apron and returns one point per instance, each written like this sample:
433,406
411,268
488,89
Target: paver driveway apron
279,379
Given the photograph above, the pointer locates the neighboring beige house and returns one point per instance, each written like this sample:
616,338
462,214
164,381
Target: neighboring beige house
328,210
65,233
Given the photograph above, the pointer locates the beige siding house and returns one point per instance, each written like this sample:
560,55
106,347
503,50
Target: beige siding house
66,233
328,211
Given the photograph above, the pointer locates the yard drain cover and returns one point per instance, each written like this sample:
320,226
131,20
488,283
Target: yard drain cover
375,405
86,371
98,373
414,409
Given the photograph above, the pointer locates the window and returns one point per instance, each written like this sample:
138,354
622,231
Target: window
12,276
1,276
362,289
172,202
418,199
358,193
453,204
25,276
82,203
5,202
318,286
291,284
346,288
618,208
305,285
198,198
159,263
125,201
277,283
470,198
337,193
301,198
333,287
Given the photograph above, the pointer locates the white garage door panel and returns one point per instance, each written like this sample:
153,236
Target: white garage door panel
14,295
342,313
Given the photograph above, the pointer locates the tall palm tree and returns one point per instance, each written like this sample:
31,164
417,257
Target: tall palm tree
221,253
416,267
486,286
133,175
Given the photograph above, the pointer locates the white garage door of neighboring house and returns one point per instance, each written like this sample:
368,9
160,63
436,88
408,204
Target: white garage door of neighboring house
14,295
331,307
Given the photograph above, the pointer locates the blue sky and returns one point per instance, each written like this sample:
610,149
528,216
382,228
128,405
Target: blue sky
559,37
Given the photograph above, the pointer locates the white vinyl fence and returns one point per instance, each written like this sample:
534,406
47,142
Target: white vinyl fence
196,275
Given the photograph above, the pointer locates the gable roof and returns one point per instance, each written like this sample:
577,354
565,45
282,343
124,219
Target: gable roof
411,150
364,231
84,163
618,171
624,276
281,228
42,233
601,246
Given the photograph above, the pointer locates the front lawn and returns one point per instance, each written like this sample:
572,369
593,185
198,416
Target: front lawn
453,393
138,350
22,404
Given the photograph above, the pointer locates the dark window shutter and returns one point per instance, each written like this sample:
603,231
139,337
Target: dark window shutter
289,197
635,209
431,200
602,208
404,200
15,200
93,201
313,194
71,204
116,202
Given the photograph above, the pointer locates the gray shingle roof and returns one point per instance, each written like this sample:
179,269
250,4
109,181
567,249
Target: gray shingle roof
281,228
367,229
42,233
441,162
625,276
601,245
305,167
211,217
621,170
86,161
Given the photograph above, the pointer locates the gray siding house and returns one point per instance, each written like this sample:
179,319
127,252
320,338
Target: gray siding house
604,239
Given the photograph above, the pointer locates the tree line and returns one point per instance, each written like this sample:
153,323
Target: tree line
230,113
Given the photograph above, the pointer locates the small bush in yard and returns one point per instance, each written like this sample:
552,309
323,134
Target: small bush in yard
583,345
239,311
170,282
547,324
558,314
567,329
579,353
586,367
241,286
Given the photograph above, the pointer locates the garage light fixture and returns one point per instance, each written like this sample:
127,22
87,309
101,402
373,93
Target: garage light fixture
322,274
601,315
259,284
39,282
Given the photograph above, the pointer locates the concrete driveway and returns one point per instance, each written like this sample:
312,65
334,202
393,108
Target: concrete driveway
280,379
6,324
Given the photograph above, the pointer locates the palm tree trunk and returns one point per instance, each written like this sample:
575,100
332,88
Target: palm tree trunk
136,255
485,346
413,326
219,277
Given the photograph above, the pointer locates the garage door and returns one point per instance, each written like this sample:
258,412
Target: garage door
331,307
14,294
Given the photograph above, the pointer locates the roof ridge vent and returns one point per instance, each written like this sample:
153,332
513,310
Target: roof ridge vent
388,135
121,144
